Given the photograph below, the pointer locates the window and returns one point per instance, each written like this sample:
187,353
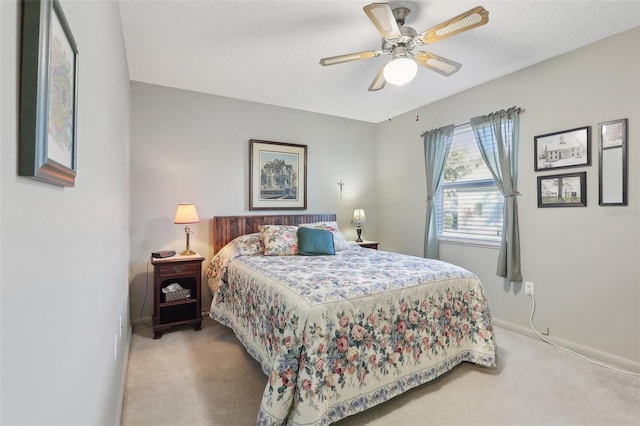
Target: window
468,203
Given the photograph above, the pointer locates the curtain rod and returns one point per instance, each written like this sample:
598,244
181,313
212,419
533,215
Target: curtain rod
455,126
521,111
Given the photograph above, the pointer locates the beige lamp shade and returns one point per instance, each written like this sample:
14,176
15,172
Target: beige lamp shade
186,213
359,217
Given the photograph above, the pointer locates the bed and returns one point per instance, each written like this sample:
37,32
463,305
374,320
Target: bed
337,334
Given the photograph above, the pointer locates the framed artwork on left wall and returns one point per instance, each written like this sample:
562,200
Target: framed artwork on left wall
277,176
48,95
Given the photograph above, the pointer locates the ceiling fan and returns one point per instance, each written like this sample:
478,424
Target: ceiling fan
401,43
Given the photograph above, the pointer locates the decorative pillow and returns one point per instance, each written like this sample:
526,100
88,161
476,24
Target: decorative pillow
339,242
279,240
248,244
244,245
315,242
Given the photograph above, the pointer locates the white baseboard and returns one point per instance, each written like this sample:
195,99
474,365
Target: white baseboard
604,357
123,376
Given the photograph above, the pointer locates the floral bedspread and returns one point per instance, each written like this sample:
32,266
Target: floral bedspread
339,334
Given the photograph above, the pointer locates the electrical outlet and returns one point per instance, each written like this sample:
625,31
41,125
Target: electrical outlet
115,347
528,288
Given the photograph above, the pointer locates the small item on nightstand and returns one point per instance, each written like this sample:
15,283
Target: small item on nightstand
162,254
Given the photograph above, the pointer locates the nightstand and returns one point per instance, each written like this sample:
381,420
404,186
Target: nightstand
368,244
167,313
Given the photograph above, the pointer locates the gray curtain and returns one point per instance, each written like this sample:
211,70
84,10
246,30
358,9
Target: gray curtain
497,135
436,148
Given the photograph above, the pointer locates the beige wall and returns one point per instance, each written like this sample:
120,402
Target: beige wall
583,261
193,147
64,252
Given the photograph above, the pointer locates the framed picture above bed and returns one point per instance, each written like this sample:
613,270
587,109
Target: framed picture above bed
277,176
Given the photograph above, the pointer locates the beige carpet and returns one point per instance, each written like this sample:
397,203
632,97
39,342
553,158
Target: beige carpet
206,378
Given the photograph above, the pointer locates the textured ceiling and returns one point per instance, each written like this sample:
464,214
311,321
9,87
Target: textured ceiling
268,51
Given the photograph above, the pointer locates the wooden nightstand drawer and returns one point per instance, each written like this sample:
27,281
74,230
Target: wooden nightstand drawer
179,269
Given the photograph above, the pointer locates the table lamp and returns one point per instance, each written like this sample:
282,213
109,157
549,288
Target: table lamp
186,213
358,219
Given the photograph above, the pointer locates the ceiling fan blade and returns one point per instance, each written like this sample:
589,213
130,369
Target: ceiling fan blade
470,19
378,81
382,17
437,63
349,57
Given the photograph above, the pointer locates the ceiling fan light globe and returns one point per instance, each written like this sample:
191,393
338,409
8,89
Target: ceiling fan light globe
400,71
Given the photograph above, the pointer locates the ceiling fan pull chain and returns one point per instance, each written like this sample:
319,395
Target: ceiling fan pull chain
417,98
389,100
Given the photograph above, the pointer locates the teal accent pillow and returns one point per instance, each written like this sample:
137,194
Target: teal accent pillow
315,242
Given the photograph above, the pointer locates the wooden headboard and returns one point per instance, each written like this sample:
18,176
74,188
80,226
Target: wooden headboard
226,228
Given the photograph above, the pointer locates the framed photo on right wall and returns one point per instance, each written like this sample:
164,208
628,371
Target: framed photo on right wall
612,165
566,190
567,148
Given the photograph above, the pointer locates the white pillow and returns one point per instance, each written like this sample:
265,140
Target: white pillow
339,242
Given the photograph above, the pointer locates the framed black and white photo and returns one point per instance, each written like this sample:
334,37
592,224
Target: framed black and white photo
48,95
612,164
277,176
567,148
566,190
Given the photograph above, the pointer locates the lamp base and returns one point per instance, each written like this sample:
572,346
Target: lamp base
359,231
187,250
